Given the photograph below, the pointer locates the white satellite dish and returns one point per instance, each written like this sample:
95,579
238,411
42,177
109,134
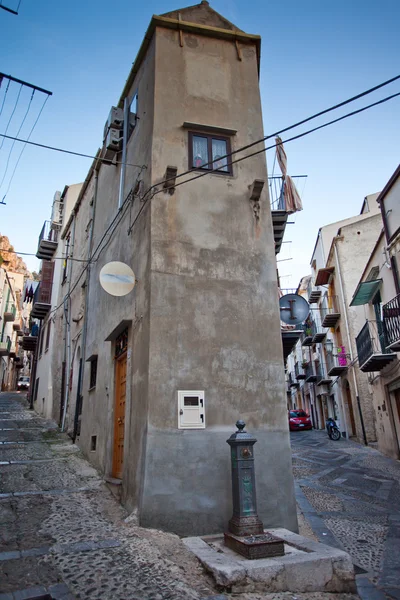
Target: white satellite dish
117,278
294,309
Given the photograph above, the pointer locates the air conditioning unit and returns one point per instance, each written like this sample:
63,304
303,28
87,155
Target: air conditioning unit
112,143
115,120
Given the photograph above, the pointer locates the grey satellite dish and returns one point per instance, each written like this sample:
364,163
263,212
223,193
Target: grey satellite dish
294,309
117,278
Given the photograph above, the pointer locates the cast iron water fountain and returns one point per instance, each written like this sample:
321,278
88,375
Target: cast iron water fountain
245,530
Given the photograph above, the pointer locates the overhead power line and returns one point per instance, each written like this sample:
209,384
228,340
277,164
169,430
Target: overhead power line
13,144
314,116
291,139
124,207
12,113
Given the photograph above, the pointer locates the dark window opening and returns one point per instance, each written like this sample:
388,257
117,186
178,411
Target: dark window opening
36,390
93,443
93,372
65,262
204,149
48,335
41,340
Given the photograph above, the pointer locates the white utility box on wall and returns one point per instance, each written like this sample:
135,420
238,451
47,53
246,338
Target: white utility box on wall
191,410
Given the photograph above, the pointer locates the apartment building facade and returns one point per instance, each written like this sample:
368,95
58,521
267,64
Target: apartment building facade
154,381
378,336
328,377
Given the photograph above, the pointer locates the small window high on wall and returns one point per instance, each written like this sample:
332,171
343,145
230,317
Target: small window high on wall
204,149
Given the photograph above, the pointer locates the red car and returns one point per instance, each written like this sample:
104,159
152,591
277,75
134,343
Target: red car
298,419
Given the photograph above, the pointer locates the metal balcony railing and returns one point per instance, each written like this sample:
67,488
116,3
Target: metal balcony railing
391,321
308,334
299,371
5,347
317,332
10,312
48,239
322,377
330,311
372,348
336,364
311,375
278,208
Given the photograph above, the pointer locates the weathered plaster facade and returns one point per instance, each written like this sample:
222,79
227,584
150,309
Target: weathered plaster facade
203,314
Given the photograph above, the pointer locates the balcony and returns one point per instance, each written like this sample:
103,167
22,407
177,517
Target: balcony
311,375
10,312
299,372
318,334
322,377
289,339
5,347
314,294
42,298
48,240
330,312
373,352
391,321
336,364
308,336
29,342
17,325
278,208
292,380
13,351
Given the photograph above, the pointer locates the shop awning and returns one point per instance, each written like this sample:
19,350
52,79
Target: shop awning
365,292
323,275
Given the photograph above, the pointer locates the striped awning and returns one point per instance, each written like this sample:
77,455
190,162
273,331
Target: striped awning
365,292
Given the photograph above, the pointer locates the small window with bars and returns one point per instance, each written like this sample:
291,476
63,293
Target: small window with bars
208,153
93,373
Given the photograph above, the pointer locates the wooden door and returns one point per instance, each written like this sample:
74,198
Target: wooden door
119,415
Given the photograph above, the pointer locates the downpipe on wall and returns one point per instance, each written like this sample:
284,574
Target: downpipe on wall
350,351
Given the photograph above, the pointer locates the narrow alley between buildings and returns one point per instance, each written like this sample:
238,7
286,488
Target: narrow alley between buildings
63,534
349,495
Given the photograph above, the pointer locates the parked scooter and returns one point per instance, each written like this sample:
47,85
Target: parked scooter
333,429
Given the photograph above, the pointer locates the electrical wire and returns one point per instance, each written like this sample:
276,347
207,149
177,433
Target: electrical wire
13,144
32,254
12,114
117,219
314,116
285,129
9,137
23,148
296,137
121,213
5,96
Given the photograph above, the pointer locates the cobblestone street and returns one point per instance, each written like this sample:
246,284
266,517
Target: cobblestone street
63,533
349,494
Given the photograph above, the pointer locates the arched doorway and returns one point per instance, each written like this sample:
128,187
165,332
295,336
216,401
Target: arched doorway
350,407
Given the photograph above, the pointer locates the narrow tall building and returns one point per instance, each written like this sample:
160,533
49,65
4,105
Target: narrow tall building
170,367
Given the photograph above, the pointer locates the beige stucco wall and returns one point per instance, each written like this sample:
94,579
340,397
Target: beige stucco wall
204,313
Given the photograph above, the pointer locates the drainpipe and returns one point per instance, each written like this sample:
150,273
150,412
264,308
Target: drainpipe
350,351
85,314
67,316
124,146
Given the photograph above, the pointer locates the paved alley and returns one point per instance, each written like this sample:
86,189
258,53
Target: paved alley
64,536
63,533
350,494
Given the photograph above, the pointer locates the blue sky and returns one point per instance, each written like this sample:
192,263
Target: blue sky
314,54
